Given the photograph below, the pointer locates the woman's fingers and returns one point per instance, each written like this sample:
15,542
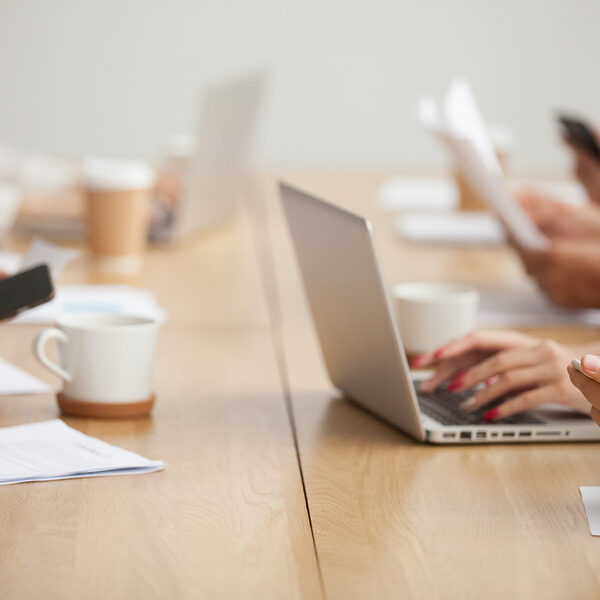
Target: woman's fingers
522,402
484,340
424,360
595,414
449,368
588,387
511,381
591,366
499,364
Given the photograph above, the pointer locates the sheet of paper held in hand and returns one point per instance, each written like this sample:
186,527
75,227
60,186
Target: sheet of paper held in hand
461,128
52,450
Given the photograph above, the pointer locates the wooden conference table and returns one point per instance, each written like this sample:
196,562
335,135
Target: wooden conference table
275,486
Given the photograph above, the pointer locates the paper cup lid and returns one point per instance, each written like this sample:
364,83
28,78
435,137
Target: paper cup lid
117,174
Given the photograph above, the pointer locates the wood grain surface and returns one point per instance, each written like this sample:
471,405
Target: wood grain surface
239,380
227,517
393,518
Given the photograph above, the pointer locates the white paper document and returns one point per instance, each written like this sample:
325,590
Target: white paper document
39,252
527,306
10,261
591,502
53,450
465,228
461,129
420,193
15,382
116,299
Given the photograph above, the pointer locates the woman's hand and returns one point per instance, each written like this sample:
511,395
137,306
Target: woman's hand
567,272
589,386
587,170
558,219
530,371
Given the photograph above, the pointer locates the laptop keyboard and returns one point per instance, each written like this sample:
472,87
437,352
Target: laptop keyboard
443,406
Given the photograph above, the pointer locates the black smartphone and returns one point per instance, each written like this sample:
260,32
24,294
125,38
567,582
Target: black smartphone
25,290
580,133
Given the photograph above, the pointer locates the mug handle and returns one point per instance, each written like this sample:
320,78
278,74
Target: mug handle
39,349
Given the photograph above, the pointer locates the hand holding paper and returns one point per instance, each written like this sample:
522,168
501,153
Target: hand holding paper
462,131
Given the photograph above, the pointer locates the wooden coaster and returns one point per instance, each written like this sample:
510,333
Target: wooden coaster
104,410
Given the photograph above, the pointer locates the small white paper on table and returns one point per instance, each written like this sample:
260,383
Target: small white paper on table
527,306
16,382
10,261
52,450
464,228
39,252
591,502
115,299
405,193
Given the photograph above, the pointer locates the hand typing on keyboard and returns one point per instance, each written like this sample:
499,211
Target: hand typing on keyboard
514,372
444,407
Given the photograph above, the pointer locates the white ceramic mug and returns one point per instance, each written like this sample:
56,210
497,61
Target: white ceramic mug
431,314
105,359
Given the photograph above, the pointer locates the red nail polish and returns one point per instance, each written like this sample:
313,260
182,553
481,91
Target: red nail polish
417,360
491,414
456,383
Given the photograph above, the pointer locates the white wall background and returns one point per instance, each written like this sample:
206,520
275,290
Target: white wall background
119,76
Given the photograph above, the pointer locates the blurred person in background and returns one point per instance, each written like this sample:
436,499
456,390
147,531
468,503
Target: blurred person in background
514,372
568,272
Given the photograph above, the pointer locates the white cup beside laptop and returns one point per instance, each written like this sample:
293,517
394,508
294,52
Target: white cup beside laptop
430,314
106,362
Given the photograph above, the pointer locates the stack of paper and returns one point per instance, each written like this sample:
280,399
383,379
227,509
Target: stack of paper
52,450
116,299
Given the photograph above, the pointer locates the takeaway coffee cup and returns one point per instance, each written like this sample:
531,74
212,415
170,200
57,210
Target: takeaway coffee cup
431,314
118,196
106,362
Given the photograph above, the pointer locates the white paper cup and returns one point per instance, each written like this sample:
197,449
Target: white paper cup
430,314
118,196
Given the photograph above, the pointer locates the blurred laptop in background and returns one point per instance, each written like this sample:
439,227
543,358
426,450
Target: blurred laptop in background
215,164
200,182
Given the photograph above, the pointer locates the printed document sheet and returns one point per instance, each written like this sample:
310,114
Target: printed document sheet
53,450
115,299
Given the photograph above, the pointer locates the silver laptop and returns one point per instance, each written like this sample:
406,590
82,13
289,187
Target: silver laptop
362,348
224,154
